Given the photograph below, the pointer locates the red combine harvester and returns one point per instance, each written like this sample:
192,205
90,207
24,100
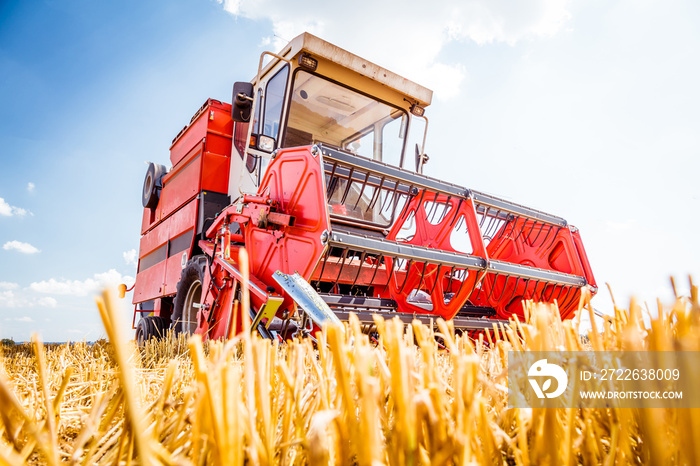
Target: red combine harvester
309,171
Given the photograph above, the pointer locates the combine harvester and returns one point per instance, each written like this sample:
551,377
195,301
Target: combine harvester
310,172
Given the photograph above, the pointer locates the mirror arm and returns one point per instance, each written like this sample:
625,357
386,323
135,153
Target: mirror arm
423,157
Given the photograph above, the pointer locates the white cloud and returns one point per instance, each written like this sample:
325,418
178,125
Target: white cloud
409,37
5,208
64,287
7,299
8,210
23,319
8,286
47,301
24,248
11,300
78,287
130,257
30,187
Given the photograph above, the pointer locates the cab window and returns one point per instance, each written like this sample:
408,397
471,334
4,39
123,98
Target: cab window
322,111
274,101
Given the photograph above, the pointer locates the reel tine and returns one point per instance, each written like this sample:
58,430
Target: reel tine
437,277
456,213
492,226
377,260
515,219
405,202
331,181
503,291
446,210
397,200
377,194
483,217
452,273
534,242
534,292
388,197
394,261
408,270
462,282
544,289
561,290
364,185
323,265
480,285
573,297
554,238
515,288
544,240
500,225
433,209
422,275
488,299
551,294
522,228
342,265
347,186
532,228
359,270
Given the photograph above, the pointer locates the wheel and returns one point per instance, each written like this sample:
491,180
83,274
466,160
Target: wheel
150,327
189,296
152,185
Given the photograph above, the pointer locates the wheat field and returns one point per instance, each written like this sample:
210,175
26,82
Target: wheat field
417,396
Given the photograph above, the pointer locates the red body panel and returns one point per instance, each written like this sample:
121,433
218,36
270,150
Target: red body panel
213,122
149,283
177,259
181,183
196,172
294,180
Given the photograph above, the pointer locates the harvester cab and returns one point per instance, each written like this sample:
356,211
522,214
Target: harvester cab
314,93
311,171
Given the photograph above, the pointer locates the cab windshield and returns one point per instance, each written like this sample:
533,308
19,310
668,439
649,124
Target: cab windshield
322,111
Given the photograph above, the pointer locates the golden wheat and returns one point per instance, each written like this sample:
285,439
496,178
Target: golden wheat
345,400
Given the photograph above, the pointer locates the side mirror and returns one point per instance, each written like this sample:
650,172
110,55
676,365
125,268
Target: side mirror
242,102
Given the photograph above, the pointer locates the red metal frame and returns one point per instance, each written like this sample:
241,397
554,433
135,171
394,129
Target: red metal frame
432,279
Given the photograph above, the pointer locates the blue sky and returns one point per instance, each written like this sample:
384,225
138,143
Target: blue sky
585,109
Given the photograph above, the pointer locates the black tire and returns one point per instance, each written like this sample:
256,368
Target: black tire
150,327
152,185
189,293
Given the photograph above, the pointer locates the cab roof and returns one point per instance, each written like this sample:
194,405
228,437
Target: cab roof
317,47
